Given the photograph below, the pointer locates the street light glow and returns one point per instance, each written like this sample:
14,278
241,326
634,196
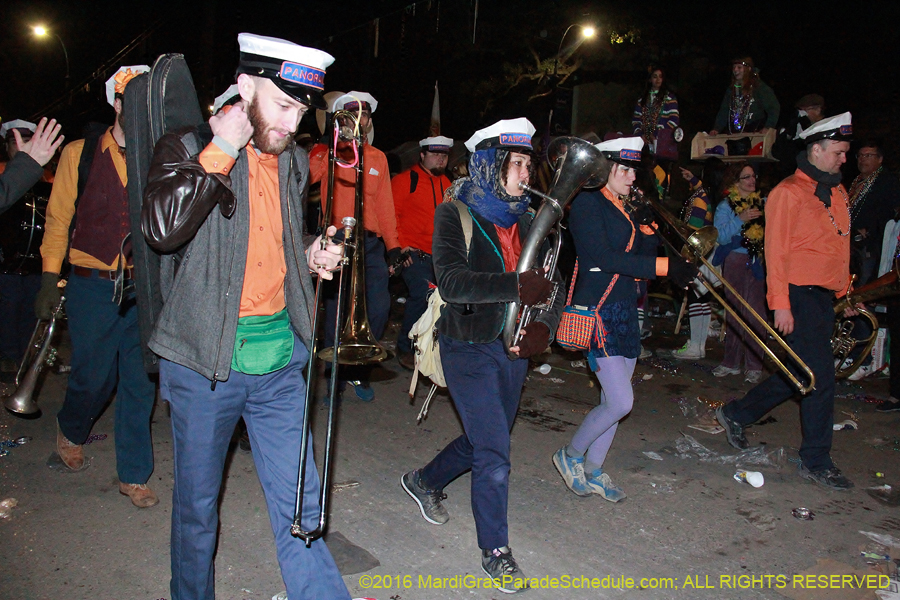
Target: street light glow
40,30
588,31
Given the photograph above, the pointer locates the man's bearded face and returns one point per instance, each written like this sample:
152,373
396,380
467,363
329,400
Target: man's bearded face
267,138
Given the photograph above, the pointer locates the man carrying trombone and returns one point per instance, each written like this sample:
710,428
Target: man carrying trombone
235,331
808,262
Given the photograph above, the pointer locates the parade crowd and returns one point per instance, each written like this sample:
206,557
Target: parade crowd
225,208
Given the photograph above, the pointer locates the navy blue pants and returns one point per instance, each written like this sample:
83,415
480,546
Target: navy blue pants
106,355
17,320
485,386
202,423
811,340
418,277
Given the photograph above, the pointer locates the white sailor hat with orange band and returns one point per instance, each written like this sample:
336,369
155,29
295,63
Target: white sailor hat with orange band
512,134
353,101
116,84
438,144
6,130
296,70
838,127
625,151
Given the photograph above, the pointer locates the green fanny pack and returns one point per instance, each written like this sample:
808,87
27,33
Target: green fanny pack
263,344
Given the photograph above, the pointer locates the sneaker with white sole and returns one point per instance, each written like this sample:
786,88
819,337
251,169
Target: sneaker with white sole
429,501
600,484
572,471
722,371
689,352
753,376
501,567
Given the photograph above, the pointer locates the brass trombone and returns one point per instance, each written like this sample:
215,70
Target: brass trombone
697,244
355,344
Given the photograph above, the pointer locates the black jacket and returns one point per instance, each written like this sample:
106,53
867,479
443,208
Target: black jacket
477,288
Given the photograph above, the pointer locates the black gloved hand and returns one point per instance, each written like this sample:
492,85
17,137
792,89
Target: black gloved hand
534,287
682,272
48,296
394,260
642,214
535,340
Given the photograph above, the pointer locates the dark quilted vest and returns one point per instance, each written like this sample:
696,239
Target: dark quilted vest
102,211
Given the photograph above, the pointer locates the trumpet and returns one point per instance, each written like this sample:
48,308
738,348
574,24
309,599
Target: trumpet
40,353
697,245
354,344
577,163
842,341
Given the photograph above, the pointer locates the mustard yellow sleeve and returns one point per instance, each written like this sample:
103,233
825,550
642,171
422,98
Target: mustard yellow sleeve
61,208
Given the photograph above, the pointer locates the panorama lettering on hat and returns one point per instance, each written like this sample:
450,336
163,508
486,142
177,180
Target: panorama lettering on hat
515,139
302,74
846,129
629,154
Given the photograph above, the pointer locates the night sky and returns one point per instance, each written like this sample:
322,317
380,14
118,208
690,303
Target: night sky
847,54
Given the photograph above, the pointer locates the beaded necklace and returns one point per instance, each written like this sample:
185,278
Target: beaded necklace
740,110
859,191
830,216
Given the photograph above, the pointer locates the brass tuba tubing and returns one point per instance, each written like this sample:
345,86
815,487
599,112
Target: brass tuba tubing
700,253
842,341
577,163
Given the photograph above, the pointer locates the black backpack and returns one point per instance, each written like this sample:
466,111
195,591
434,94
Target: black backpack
159,102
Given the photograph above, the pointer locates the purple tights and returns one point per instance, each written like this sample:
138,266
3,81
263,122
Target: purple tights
596,433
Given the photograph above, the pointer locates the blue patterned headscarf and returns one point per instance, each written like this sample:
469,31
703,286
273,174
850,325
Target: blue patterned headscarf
483,192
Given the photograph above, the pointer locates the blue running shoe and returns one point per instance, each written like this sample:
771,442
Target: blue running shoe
599,483
363,390
572,471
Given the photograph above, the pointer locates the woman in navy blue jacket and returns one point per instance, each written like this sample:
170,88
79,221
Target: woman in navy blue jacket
613,250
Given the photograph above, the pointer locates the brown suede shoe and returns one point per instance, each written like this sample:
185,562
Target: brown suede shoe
71,454
141,495
407,360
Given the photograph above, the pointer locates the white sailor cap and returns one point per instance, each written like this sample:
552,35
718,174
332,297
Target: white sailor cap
838,128
6,128
351,101
225,97
116,84
508,133
296,70
626,150
437,144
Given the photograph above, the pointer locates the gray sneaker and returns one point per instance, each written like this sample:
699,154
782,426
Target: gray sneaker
429,501
733,432
831,478
501,567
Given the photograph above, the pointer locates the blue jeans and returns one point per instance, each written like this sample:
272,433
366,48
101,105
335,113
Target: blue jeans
811,340
106,355
203,420
417,276
485,386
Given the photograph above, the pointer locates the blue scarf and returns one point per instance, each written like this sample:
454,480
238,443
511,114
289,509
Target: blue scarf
483,192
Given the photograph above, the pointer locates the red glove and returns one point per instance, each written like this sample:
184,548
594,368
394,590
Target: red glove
535,340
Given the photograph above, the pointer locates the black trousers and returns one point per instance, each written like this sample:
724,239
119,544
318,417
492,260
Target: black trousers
811,340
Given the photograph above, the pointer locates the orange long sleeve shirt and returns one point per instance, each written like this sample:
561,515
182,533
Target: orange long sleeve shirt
61,207
803,247
378,210
263,291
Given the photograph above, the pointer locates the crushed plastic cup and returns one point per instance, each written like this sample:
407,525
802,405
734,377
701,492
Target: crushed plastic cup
544,369
848,424
754,478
